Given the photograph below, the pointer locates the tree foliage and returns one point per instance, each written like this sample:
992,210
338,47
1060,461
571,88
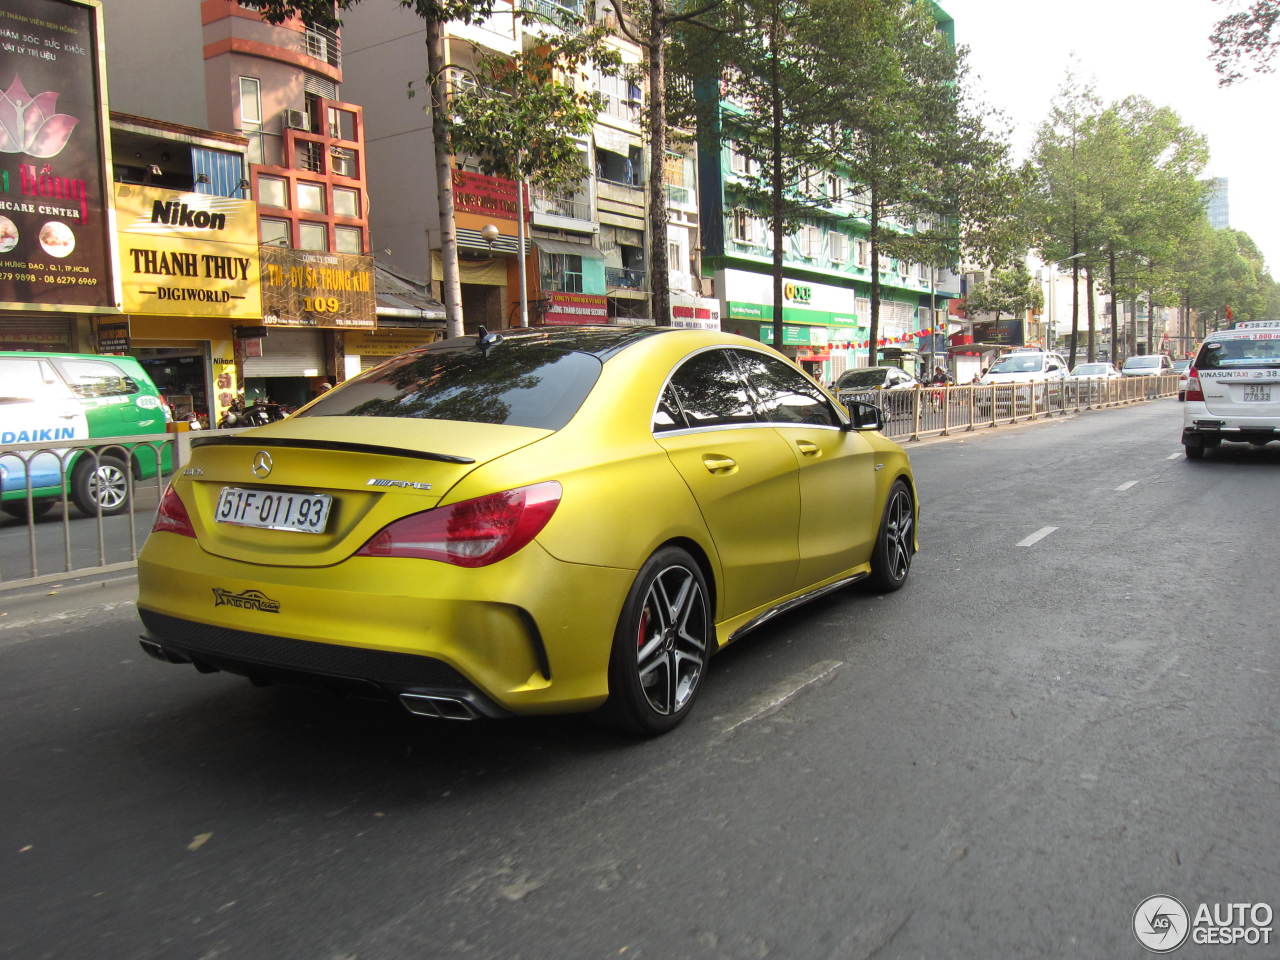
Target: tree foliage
1008,291
1245,39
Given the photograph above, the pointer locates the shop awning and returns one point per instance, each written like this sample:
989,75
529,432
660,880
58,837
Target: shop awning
403,301
563,246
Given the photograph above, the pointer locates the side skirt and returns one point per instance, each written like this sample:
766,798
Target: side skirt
792,604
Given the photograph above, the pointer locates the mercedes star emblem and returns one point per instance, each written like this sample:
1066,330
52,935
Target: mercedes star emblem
261,464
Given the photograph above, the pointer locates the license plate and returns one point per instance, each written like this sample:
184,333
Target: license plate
274,510
1257,391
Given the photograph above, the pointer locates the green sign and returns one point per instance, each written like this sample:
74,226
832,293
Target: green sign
791,336
798,315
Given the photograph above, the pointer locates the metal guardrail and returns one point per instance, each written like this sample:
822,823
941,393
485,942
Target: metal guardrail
80,541
929,411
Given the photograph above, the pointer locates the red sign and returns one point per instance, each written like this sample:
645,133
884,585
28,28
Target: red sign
487,196
567,308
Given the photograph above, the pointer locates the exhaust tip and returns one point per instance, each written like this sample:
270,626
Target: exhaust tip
437,707
156,650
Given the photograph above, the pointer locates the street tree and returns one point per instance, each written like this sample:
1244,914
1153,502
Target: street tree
523,117
1009,291
530,83
649,25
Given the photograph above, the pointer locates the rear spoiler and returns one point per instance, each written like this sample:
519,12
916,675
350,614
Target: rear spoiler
304,444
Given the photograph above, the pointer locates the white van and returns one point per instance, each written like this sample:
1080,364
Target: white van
1233,389
1026,366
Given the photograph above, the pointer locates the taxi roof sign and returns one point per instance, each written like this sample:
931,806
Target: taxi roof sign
1257,325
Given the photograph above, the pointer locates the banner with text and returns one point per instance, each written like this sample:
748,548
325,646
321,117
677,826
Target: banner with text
55,243
187,254
304,289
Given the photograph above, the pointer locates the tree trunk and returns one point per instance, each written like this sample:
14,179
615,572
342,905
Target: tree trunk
1131,341
775,187
1115,307
452,287
873,237
1151,319
1093,340
1075,301
659,275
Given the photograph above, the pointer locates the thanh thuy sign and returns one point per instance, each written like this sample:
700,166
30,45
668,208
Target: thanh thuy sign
187,254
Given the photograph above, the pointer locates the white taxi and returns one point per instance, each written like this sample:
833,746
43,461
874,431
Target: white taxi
1233,388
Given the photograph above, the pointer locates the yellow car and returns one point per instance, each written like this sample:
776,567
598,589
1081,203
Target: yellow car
543,520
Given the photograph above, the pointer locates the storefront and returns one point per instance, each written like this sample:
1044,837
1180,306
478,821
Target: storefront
190,275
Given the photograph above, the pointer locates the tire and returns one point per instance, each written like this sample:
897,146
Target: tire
18,508
1194,451
102,481
895,543
661,646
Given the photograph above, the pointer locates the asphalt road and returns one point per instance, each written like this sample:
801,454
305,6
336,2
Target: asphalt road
999,761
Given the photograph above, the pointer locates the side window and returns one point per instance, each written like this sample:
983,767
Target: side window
784,393
668,415
96,378
711,393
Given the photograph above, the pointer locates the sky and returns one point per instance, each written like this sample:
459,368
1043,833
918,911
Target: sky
1020,51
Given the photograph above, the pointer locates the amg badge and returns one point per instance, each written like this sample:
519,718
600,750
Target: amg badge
249,600
403,484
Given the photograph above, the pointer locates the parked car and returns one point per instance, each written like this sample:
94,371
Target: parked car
1026,366
1094,371
1233,389
1180,367
46,397
1147,365
866,384
546,520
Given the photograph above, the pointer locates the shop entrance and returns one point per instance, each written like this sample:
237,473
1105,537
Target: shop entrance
180,371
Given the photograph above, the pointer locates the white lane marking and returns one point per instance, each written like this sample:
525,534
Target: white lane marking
776,699
1125,486
1035,537
1175,456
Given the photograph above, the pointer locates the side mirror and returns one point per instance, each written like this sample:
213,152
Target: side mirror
866,416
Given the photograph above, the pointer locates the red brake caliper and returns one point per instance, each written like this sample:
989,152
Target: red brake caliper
643,633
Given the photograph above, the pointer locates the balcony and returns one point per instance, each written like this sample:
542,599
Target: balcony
574,208
680,196
567,16
624,278
324,45
628,110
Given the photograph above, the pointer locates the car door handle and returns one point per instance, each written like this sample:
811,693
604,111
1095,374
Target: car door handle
717,464
808,448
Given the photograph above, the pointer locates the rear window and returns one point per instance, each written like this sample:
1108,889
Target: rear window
1240,354
1141,363
1090,369
519,383
96,378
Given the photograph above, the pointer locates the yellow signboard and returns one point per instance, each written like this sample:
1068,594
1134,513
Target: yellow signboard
188,254
387,343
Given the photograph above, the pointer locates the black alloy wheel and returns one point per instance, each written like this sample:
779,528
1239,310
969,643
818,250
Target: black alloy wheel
895,544
661,645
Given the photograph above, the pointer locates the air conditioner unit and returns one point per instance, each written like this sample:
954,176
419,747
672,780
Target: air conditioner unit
296,120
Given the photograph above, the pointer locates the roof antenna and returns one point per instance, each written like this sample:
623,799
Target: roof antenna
485,339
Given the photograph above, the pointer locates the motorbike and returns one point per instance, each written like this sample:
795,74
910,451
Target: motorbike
257,414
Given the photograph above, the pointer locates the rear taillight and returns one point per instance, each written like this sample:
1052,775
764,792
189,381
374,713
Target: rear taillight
1193,391
172,516
473,533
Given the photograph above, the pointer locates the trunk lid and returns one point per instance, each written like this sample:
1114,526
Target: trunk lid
1242,393
375,470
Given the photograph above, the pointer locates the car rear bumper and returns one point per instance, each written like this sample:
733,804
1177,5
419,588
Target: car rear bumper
530,634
